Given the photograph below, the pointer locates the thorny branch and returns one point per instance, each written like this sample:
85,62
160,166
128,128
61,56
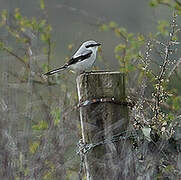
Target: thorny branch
174,68
161,76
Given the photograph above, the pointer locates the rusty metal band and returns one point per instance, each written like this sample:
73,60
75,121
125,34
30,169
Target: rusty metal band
105,100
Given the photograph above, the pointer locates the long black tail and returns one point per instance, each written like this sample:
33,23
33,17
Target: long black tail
55,70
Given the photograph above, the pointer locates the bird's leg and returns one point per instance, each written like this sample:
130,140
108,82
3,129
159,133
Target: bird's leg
86,72
82,72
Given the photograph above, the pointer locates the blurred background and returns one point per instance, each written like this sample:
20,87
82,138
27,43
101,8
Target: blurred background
74,22
39,120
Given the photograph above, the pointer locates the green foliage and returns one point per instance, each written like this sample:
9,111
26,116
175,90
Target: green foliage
169,3
25,30
23,24
178,8
49,174
34,147
163,28
45,67
104,27
154,3
42,4
1,45
56,116
3,17
128,49
113,25
127,52
42,125
174,101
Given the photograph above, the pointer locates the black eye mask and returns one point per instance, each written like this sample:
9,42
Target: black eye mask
93,45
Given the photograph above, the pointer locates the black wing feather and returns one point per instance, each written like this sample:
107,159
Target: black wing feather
84,55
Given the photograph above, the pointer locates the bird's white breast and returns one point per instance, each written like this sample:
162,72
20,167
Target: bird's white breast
85,64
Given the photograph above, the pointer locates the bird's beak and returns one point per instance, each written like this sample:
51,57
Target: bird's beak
98,44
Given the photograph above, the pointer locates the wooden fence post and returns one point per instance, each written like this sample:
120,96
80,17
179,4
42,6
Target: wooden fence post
102,120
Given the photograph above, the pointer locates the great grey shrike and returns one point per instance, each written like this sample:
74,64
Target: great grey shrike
82,60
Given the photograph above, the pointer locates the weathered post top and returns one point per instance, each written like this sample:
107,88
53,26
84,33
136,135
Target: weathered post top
101,84
103,114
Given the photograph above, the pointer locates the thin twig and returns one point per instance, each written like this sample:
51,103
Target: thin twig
163,70
174,68
16,56
178,3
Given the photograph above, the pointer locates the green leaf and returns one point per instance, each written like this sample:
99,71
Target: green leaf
178,8
17,14
42,125
34,146
45,67
163,27
56,116
123,31
43,37
4,17
50,170
113,25
119,48
153,3
42,4
1,45
104,27
140,38
130,67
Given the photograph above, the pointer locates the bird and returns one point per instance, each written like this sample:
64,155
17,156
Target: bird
82,60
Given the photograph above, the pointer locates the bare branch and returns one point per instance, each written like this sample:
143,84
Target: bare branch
179,3
174,68
16,56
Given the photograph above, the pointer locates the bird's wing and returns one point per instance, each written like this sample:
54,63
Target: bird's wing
79,57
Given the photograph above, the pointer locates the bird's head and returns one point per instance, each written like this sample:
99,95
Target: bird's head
92,45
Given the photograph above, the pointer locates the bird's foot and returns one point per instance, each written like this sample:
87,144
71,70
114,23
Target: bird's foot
85,72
